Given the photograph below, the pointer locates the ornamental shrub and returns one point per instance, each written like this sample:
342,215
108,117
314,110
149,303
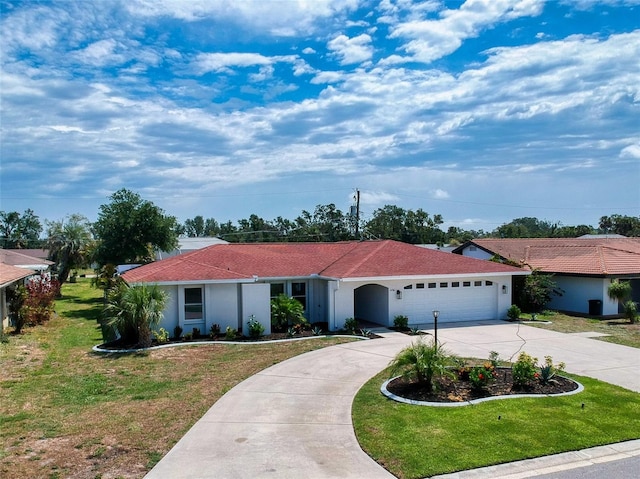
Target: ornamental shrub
631,311
513,313
524,370
162,336
41,294
425,362
401,321
256,329
230,333
351,325
548,370
481,376
214,331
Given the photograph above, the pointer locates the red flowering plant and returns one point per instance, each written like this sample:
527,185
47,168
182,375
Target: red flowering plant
481,376
41,294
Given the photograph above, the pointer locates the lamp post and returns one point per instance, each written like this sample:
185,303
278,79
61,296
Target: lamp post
436,313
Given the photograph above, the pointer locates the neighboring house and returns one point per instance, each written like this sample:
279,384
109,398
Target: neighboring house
19,258
10,276
583,267
186,245
371,280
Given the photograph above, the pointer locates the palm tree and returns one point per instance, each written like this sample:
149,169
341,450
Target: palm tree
286,311
133,311
619,290
423,361
68,242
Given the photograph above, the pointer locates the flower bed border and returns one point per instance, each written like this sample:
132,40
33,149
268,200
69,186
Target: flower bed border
387,393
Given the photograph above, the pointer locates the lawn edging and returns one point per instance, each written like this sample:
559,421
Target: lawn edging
390,395
102,350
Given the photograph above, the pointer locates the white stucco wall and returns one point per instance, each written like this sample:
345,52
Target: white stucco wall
170,317
256,301
577,293
222,306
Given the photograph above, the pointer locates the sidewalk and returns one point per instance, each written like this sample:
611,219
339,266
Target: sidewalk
293,419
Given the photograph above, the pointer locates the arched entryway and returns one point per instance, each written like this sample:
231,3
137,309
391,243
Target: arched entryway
371,303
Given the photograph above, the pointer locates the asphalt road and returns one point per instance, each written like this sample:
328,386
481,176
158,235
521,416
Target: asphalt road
621,469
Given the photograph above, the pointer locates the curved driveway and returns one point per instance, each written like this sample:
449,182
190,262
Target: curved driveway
293,419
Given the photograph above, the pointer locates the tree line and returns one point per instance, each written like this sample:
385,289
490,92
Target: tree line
130,229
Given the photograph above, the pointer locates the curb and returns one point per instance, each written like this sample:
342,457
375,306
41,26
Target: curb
551,464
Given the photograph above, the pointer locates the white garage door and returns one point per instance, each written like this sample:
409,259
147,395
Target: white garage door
456,301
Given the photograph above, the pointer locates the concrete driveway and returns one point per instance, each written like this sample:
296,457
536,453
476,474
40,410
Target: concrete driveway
293,419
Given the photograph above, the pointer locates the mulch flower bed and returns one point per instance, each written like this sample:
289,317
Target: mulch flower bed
451,390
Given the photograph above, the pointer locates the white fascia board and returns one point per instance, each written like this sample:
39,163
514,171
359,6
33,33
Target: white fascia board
437,276
296,278
202,281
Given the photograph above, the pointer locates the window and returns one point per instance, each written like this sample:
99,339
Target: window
431,285
192,303
420,286
455,284
488,283
477,283
444,285
466,284
277,289
299,292
409,286
472,248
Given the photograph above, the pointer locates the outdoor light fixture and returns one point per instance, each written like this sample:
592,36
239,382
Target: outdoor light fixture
504,289
436,313
398,294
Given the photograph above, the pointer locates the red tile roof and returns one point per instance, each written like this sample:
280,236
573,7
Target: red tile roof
588,256
10,274
356,259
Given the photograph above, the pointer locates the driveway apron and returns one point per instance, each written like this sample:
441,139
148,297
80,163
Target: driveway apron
293,419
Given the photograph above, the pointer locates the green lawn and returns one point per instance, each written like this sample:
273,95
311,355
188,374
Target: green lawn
619,331
421,441
67,412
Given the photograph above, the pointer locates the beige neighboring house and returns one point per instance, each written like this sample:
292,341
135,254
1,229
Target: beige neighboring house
10,277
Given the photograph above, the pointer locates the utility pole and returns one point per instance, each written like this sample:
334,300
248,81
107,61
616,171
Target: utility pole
357,198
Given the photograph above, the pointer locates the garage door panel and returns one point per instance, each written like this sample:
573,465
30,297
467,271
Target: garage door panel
455,304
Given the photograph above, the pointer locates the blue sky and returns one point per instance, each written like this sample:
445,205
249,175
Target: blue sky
482,111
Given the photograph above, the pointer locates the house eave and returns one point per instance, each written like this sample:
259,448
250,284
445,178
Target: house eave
437,276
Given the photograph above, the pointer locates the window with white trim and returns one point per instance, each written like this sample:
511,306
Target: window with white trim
193,305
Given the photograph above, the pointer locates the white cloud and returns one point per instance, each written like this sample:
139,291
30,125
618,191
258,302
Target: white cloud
631,151
279,18
440,194
207,62
352,50
216,62
430,40
376,199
